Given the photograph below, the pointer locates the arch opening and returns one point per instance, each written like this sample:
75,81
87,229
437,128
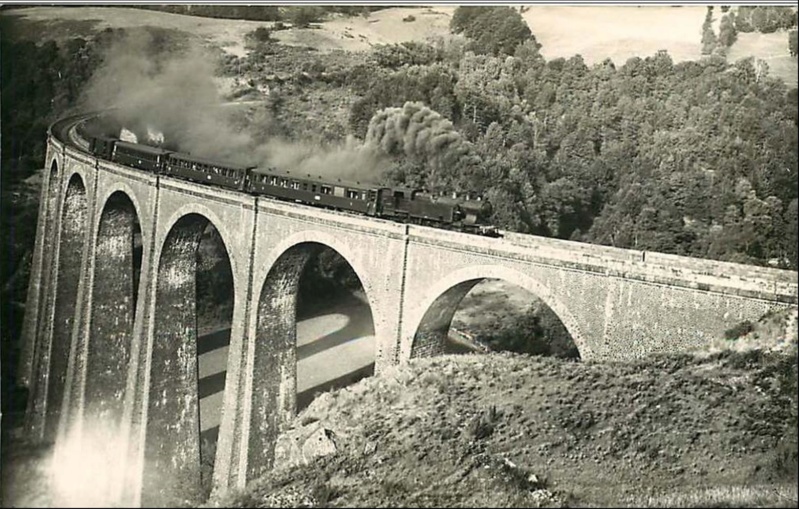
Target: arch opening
335,327
193,311
117,269
70,253
490,314
314,333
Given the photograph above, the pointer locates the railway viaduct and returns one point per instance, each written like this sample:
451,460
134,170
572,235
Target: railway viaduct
108,362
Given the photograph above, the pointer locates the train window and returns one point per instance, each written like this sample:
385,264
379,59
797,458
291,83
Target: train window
339,191
273,181
304,186
326,190
352,195
399,194
295,185
313,188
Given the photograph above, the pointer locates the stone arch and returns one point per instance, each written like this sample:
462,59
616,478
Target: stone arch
198,209
35,323
326,240
431,319
113,311
172,440
274,366
125,189
67,275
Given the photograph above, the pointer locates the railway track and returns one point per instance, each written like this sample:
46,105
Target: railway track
65,130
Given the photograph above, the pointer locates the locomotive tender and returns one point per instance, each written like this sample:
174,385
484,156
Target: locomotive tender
466,213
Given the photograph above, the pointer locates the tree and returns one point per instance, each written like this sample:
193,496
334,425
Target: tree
464,16
793,43
492,30
791,229
727,32
709,40
302,17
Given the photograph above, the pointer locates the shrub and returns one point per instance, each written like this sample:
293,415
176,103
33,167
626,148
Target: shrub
302,17
409,18
261,34
739,330
483,425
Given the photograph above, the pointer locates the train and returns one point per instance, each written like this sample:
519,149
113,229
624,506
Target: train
465,212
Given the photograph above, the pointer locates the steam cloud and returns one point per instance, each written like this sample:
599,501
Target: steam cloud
174,93
171,93
417,132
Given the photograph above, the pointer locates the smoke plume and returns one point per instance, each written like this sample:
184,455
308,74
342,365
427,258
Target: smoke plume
348,161
421,134
173,93
170,98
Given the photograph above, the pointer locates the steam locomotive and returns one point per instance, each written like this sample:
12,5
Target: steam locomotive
467,213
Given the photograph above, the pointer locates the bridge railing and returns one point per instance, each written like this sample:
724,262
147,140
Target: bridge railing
753,281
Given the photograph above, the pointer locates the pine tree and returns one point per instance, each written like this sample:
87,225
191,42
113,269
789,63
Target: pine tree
727,32
709,40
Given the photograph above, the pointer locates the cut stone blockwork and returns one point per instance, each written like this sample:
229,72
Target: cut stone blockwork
136,361
53,342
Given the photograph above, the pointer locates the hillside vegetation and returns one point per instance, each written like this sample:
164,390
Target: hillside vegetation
504,430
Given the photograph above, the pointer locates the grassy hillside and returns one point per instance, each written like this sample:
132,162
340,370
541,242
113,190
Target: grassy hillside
595,32
503,430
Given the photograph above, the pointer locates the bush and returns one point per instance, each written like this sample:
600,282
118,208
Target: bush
302,17
483,425
394,56
261,34
739,330
409,19
538,331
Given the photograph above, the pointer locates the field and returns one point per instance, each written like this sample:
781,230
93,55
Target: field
595,32
770,48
